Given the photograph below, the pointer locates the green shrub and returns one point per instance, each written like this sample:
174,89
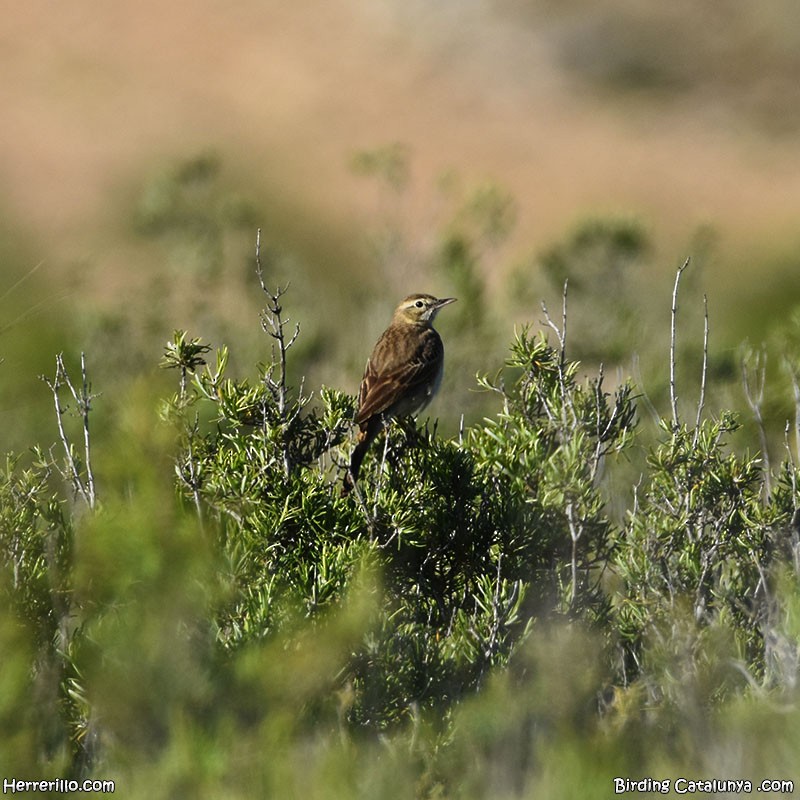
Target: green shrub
471,622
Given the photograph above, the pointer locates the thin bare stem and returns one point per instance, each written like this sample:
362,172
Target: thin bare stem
273,323
702,401
795,379
563,338
672,392
72,467
84,405
561,335
84,485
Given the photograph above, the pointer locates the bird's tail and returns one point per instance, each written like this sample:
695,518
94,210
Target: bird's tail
365,438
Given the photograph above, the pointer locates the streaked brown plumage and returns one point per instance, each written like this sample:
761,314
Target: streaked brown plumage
402,374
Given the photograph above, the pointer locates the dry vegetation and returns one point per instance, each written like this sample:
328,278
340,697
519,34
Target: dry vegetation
539,100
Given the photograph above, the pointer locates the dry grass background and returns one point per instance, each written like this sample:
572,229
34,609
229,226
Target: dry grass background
94,92
687,117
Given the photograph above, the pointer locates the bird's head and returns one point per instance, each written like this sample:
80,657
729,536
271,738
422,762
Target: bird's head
420,309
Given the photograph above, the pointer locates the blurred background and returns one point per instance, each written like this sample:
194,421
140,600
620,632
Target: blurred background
483,149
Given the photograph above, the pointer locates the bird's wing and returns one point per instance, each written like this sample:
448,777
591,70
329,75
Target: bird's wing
394,372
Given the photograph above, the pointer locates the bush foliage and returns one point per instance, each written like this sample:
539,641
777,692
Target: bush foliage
488,615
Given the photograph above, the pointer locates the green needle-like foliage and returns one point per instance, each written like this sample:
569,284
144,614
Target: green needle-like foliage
475,619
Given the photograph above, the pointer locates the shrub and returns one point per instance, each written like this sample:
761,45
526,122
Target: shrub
471,622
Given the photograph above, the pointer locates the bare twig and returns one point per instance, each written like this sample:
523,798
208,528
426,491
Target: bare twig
81,479
84,404
273,324
561,335
795,379
672,393
702,401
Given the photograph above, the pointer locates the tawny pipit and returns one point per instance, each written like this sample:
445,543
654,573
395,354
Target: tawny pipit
402,375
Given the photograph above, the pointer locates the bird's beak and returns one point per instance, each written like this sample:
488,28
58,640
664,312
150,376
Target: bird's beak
445,302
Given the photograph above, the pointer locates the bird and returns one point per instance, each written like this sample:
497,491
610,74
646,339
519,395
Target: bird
402,375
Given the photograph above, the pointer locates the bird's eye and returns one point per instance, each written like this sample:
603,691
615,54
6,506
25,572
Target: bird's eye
419,304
